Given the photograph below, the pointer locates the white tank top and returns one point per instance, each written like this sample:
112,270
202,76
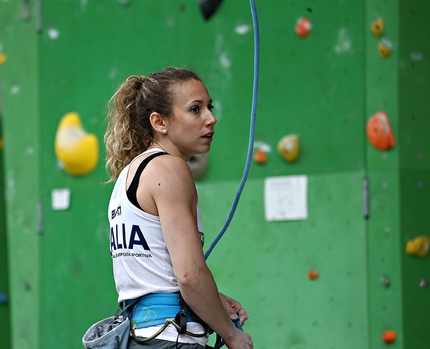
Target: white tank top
141,262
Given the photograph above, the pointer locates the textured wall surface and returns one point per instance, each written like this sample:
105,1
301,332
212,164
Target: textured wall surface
70,56
20,117
414,135
4,272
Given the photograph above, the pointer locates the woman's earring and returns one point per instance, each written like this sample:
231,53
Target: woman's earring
164,131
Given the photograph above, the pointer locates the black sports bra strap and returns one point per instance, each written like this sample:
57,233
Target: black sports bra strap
132,189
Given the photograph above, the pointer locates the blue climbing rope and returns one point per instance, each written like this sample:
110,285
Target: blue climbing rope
250,143
251,131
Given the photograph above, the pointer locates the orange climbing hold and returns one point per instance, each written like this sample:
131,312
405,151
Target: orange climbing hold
389,336
260,157
379,132
303,27
313,274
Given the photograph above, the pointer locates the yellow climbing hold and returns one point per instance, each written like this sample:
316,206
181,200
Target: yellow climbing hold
384,48
77,150
377,27
419,246
289,147
3,58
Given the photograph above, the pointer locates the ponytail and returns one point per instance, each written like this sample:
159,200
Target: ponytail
129,131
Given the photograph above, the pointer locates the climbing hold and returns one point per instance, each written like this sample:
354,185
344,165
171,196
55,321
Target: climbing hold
260,156
303,27
77,151
198,165
379,131
419,246
3,58
4,299
385,281
209,7
289,147
313,274
389,336
423,283
384,48
53,33
377,27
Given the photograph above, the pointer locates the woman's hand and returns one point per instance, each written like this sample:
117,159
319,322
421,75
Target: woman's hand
240,340
234,309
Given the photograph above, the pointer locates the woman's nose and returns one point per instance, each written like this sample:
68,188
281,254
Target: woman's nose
211,120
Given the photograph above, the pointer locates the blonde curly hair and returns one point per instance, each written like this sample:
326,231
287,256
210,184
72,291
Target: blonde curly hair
129,131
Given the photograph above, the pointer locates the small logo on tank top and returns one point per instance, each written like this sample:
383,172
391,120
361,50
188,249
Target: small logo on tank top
116,212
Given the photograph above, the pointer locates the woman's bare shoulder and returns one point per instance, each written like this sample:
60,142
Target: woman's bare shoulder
170,171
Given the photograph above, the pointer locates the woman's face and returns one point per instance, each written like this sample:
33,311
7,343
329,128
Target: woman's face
191,127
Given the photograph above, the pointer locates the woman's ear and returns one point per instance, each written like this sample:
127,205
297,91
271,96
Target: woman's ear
158,123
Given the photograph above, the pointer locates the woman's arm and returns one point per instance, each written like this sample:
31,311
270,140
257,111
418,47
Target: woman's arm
175,197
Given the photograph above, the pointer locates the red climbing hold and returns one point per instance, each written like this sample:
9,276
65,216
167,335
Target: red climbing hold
388,336
303,27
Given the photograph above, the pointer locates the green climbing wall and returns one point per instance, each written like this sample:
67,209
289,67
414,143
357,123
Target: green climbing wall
414,174
21,156
70,56
383,233
398,178
4,279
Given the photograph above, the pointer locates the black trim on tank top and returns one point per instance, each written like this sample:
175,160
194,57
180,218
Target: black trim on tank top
132,189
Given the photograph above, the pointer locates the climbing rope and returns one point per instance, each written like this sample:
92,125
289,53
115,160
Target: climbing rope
251,130
250,143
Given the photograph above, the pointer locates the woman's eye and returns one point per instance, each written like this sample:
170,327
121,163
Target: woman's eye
195,109
210,107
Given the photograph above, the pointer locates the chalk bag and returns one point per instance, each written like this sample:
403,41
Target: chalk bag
110,333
